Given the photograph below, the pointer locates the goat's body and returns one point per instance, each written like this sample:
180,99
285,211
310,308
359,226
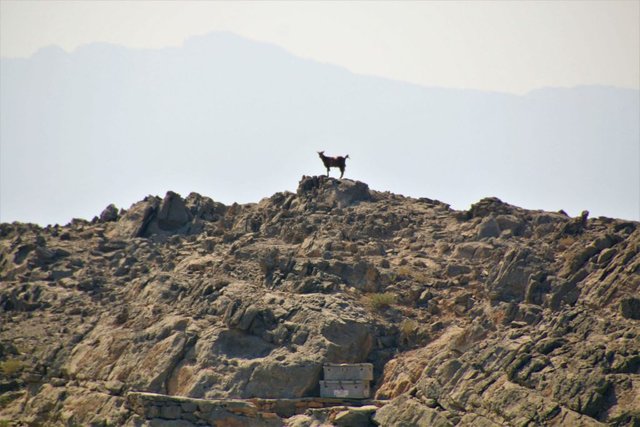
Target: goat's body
333,162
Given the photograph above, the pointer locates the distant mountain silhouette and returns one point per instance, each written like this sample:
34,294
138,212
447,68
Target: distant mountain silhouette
238,120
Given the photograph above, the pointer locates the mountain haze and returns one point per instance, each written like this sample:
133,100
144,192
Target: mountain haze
237,119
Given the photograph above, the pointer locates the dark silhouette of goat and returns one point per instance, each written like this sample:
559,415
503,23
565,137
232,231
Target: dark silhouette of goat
333,162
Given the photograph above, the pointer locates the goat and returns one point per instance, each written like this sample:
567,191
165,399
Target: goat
333,162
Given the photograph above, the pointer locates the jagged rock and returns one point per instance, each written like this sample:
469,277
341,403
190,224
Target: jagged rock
277,379
511,277
135,221
356,417
302,421
537,289
172,213
534,322
630,308
332,192
406,411
511,223
563,292
489,206
488,228
576,225
110,213
361,275
166,410
474,250
204,208
606,255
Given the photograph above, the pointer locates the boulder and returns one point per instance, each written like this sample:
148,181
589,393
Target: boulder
512,223
630,308
510,279
356,417
489,206
331,192
204,208
576,225
136,219
153,216
290,379
172,213
488,228
407,411
110,213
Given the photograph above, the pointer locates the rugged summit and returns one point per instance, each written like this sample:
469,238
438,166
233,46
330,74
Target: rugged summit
492,316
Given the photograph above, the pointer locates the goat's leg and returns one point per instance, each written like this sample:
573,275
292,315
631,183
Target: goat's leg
327,171
341,171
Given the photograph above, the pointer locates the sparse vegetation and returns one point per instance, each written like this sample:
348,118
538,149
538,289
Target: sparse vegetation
11,367
7,398
408,327
565,242
407,273
381,301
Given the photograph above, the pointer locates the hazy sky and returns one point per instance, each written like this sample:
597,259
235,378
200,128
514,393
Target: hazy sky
507,46
548,147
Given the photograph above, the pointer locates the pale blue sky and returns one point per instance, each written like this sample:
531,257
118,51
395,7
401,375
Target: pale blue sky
506,46
199,96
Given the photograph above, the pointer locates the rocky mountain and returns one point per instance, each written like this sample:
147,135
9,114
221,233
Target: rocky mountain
492,316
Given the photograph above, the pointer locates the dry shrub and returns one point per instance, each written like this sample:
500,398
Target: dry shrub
381,301
11,366
408,330
566,242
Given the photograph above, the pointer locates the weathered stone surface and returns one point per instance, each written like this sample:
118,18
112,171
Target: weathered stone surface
534,322
356,417
156,409
332,192
405,411
172,213
511,223
488,228
136,219
110,213
630,308
509,282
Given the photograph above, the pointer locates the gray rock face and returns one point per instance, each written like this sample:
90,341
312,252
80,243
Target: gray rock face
630,308
405,411
331,192
158,410
355,417
512,275
169,216
110,213
493,316
172,213
488,228
135,221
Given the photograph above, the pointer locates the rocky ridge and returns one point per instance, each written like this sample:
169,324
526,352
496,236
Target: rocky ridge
493,316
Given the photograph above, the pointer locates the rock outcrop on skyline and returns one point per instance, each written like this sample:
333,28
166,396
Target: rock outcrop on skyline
497,315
